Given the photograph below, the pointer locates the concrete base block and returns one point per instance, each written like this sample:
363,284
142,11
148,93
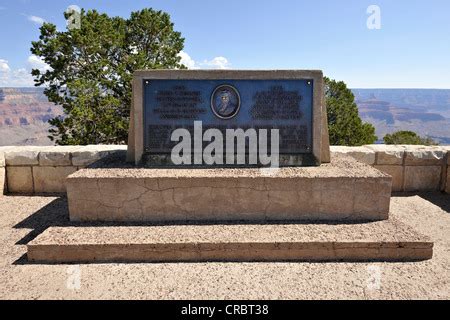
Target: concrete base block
396,172
422,178
342,190
2,158
22,157
424,155
361,154
376,241
20,179
51,179
447,183
2,180
388,154
55,158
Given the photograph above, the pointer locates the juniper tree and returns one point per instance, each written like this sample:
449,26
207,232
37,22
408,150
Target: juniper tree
91,70
407,137
344,124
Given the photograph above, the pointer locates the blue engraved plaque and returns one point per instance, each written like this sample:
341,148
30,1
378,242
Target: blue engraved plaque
285,104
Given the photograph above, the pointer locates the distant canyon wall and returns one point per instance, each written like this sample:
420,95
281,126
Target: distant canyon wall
25,106
24,113
424,111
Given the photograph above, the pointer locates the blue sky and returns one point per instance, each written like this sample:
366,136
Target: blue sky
411,50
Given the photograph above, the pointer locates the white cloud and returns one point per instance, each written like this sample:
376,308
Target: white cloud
35,19
20,77
35,62
4,67
16,78
187,60
215,63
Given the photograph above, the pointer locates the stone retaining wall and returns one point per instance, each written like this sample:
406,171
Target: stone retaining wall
44,169
413,168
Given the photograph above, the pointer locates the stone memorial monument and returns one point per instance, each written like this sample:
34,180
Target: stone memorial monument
229,165
289,101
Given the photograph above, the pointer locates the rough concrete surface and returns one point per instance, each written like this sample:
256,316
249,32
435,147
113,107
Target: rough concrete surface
22,218
298,193
388,240
361,154
2,180
51,179
341,166
20,179
426,178
397,173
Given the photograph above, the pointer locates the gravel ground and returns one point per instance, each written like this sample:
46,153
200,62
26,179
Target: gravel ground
22,218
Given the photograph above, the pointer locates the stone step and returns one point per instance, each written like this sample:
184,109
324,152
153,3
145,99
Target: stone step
388,240
341,190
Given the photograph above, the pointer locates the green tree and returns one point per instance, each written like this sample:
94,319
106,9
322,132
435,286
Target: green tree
407,137
92,69
344,124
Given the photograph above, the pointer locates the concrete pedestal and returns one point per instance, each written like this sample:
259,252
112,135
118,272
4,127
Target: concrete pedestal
342,190
388,240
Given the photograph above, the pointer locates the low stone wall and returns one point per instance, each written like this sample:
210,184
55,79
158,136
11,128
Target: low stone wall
413,168
44,169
